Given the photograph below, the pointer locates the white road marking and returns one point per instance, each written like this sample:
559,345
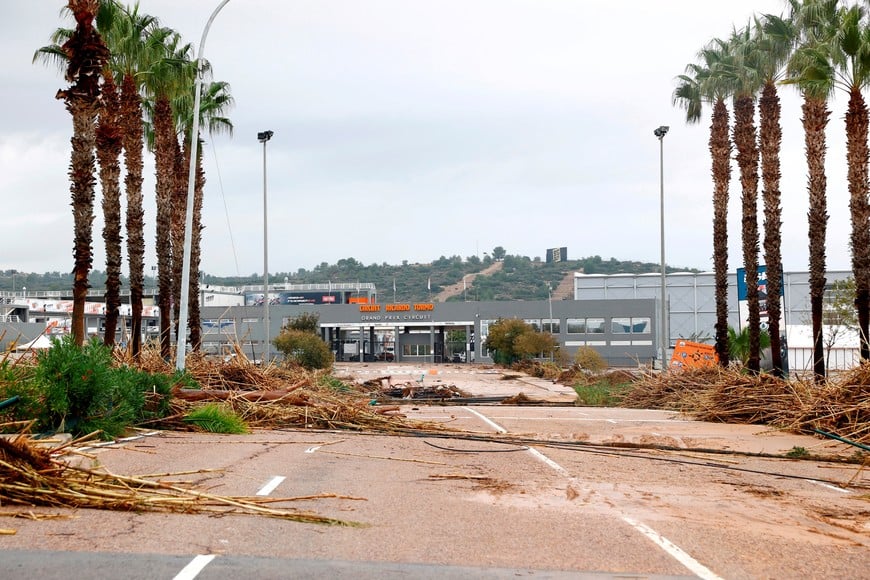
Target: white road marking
312,449
672,549
486,420
270,487
193,569
549,462
829,486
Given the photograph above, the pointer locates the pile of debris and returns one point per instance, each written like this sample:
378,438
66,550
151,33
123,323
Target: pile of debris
33,476
839,406
383,388
280,396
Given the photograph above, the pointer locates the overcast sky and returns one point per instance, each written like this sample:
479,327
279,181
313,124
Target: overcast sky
412,129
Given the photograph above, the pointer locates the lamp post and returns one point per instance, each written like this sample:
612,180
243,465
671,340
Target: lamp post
264,137
181,339
663,338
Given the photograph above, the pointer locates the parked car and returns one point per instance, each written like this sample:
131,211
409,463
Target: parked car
367,357
386,356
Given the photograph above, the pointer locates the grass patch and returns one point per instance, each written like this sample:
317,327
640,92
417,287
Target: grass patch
334,384
601,393
797,452
217,419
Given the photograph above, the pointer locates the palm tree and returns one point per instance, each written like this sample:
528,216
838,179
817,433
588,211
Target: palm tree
215,100
810,70
85,55
852,61
136,42
775,38
165,78
109,145
747,83
701,84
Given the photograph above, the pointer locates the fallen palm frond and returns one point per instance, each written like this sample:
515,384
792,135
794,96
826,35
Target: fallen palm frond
278,396
841,405
314,408
32,476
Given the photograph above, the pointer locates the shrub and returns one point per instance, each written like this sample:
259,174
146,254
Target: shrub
76,389
738,343
306,322
304,348
589,359
511,339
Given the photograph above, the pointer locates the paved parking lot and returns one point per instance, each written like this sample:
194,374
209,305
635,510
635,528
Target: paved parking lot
557,500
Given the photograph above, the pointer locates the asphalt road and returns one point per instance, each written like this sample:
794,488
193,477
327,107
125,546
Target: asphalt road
559,502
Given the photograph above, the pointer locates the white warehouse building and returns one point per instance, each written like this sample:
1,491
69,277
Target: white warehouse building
691,308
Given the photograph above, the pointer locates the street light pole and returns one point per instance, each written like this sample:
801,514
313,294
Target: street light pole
181,338
264,137
663,333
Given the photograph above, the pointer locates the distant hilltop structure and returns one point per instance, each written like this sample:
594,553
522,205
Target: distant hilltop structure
557,254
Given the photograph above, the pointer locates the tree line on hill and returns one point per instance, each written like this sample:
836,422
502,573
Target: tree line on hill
520,277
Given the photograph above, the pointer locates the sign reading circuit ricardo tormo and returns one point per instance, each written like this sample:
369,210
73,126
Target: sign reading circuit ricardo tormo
395,310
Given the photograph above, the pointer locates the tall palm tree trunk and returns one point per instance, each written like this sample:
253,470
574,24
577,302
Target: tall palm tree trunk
87,55
131,118
859,209
747,160
196,254
164,154
109,144
720,153
178,210
815,121
771,142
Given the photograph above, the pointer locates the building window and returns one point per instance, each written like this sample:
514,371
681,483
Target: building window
416,349
484,332
640,325
594,326
620,325
535,323
551,325
576,325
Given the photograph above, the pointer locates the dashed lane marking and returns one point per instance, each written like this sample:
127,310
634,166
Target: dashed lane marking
669,547
672,549
271,485
486,420
829,486
193,569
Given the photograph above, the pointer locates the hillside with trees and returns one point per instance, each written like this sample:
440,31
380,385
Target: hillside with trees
519,278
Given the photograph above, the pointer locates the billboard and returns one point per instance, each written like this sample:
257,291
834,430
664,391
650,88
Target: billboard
314,297
743,304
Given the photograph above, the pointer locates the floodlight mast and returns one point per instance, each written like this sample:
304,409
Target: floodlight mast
263,137
663,332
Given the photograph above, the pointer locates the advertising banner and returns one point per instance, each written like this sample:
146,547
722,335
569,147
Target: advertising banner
743,304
